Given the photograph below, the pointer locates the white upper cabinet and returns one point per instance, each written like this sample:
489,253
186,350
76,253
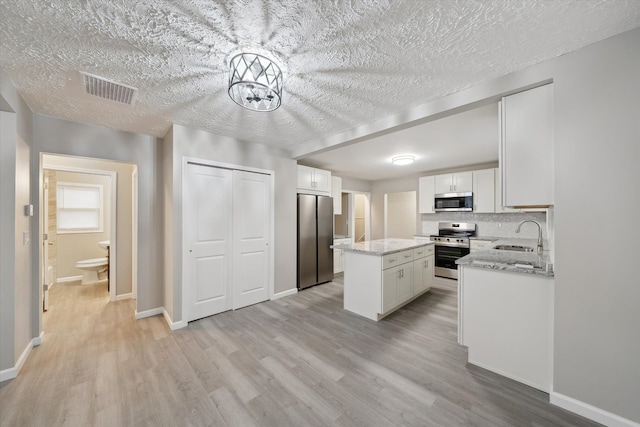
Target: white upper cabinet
314,181
454,183
426,192
336,193
526,147
500,208
484,191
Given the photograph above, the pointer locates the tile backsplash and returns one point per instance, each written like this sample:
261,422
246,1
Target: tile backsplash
488,224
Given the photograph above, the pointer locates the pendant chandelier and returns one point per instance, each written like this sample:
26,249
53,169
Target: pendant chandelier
255,82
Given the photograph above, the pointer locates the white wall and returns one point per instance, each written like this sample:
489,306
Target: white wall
400,215
203,145
378,190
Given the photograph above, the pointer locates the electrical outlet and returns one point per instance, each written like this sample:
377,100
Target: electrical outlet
25,237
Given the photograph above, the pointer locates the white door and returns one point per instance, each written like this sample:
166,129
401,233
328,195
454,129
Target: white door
208,227
251,237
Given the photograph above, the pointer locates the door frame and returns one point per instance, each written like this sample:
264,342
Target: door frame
352,214
112,212
183,238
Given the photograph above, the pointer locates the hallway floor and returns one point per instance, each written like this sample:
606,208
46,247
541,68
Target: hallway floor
299,360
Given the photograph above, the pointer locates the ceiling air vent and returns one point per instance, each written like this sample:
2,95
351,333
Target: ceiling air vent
98,86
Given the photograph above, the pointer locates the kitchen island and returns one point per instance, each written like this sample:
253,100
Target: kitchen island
505,312
381,276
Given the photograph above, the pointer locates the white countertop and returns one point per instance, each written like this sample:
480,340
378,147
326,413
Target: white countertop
383,246
513,261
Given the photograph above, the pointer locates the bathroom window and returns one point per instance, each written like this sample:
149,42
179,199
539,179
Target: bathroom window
79,208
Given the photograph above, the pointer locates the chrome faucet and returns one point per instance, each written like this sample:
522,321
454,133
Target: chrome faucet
540,248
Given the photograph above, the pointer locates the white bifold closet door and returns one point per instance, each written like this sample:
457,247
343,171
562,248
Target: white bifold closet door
227,225
251,235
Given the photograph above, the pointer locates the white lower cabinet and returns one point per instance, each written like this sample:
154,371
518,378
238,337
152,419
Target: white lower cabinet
422,269
338,255
397,286
375,286
506,320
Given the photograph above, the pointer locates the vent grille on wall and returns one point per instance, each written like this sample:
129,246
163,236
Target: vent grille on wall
98,86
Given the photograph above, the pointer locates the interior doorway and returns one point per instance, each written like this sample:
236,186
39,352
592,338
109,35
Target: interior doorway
355,219
69,242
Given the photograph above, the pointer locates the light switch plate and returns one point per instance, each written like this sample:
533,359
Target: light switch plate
28,210
25,237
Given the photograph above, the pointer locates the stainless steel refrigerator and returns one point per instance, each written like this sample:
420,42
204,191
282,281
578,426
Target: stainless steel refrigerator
315,237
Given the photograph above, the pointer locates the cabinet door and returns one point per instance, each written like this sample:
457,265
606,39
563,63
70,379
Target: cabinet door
444,183
462,182
390,298
419,268
337,255
426,192
526,147
500,208
428,276
405,282
483,191
322,180
336,193
305,178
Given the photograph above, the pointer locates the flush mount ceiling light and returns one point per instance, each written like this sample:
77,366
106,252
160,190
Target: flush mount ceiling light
405,159
255,82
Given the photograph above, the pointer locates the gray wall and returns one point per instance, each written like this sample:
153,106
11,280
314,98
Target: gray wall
17,325
597,292
57,136
203,145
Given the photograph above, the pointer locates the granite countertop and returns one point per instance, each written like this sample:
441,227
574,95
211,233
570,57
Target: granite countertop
491,238
512,261
382,246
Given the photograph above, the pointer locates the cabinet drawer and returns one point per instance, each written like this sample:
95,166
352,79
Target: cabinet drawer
405,256
423,252
389,261
397,258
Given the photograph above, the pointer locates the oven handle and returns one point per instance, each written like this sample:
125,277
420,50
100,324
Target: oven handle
452,245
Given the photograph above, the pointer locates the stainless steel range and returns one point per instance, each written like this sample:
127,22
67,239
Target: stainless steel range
452,243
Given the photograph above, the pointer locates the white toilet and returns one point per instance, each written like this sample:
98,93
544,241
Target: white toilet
91,268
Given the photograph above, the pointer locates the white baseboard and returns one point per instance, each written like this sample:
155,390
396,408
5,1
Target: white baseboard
589,411
8,374
123,296
284,294
173,325
69,279
11,373
148,313
38,340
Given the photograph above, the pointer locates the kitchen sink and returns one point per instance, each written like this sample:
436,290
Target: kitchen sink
516,248
527,265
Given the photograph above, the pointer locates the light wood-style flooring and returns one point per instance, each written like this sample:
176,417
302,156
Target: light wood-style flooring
297,361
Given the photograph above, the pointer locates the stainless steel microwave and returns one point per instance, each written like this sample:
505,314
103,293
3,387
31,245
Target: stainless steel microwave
453,202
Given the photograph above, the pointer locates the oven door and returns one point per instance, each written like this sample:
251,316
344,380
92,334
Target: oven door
445,258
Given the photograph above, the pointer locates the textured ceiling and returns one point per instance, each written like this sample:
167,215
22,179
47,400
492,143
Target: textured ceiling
346,63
